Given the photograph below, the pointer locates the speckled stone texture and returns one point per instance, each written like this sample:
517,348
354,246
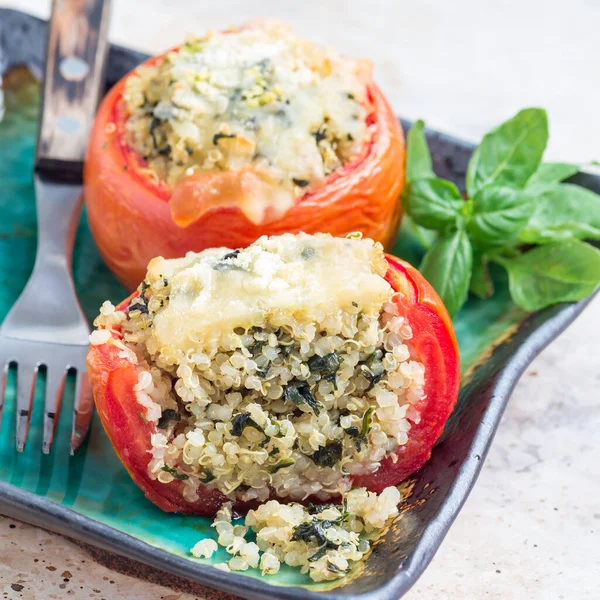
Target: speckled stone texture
530,528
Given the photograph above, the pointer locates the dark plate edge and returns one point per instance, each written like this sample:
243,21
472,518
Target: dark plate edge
44,513
470,469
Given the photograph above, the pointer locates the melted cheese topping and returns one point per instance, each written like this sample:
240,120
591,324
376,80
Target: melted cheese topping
257,101
311,278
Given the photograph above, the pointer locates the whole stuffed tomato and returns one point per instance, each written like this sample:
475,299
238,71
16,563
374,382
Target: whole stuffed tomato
238,134
297,368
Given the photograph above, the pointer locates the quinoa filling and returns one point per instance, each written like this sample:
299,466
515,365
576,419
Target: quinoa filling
284,368
325,541
258,99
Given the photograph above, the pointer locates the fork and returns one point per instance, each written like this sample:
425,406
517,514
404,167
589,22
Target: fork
46,327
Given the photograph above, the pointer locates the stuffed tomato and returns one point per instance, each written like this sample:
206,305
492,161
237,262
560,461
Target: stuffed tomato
238,134
297,368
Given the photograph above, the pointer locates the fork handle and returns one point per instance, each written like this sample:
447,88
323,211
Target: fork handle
73,82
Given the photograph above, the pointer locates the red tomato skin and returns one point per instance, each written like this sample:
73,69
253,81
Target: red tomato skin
130,216
113,379
435,345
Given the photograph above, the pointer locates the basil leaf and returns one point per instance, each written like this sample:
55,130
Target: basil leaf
481,283
563,211
511,153
175,473
425,237
329,455
335,569
325,366
241,421
418,158
434,203
207,476
558,272
299,392
311,530
447,266
552,173
166,416
367,422
282,464
499,214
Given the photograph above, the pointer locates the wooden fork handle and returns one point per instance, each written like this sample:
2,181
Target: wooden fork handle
73,83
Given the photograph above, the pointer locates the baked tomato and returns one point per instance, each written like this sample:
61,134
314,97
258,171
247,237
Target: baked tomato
114,377
134,215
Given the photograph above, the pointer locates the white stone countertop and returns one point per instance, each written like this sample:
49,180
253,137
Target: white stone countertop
531,527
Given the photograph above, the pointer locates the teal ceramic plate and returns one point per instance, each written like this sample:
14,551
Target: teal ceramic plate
90,496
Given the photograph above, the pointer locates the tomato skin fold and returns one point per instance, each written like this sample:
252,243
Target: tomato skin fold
113,379
131,219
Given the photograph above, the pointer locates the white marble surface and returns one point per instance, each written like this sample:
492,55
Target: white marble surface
531,528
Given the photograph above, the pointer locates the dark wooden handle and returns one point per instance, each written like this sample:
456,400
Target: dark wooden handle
73,82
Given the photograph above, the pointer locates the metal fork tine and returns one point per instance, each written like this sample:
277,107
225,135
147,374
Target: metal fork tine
55,382
26,377
83,410
3,380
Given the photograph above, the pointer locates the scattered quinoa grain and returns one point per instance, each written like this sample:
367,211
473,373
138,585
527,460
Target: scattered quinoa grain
205,548
324,541
99,337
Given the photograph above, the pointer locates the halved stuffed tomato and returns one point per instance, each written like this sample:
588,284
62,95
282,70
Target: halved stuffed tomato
297,368
235,135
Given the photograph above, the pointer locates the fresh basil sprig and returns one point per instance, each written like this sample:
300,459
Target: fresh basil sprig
563,271
563,211
510,154
513,201
448,265
552,173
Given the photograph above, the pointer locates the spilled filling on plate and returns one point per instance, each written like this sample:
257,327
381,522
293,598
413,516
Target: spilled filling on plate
279,370
283,112
326,541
